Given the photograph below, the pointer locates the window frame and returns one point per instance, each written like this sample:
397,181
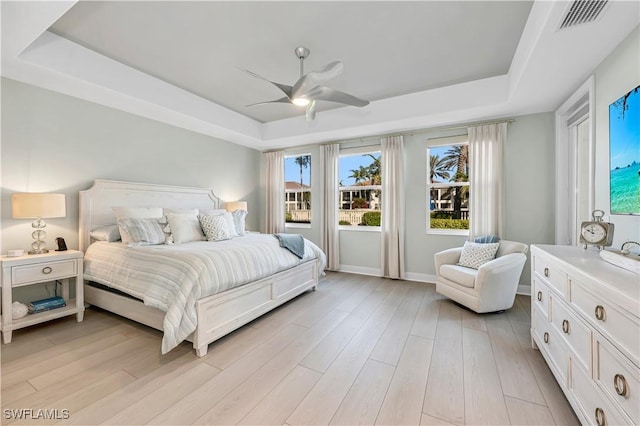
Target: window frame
351,152
299,225
435,143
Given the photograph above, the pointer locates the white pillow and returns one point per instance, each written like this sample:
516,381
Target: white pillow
231,227
108,233
238,221
185,227
215,227
474,255
140,232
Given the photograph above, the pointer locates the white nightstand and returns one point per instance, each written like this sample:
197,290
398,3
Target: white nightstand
36,269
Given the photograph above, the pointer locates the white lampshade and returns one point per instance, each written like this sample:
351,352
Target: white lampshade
232,206
30,205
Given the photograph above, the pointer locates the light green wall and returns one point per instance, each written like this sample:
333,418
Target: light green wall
56,143
615,76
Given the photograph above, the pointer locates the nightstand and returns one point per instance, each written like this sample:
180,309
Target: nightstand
37,269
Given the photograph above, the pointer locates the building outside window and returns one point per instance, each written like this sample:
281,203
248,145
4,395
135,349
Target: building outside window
360,189
297,172
448,186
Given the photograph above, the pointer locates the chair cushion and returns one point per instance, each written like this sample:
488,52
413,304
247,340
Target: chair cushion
474,255
459,274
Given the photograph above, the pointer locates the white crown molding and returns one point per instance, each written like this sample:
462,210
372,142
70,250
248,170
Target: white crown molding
539,79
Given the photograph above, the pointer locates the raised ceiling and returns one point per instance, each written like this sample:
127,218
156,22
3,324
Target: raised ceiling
422,64
388,48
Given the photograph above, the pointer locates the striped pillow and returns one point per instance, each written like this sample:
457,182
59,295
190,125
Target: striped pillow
140,232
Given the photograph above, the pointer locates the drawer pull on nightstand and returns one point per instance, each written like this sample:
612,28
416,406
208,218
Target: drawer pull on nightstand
600,419
47,270
546,337
600,314
620,383
565,326
546,272
539,296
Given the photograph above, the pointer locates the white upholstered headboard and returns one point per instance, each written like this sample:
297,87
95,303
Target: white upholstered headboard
96,203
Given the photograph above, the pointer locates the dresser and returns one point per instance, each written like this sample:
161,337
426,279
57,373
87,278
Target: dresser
585,322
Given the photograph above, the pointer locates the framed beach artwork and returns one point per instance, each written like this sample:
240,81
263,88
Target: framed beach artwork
624,153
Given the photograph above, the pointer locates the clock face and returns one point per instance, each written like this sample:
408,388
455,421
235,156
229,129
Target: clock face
593,233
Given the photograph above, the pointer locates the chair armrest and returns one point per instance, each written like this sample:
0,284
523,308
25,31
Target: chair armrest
447,257
505,268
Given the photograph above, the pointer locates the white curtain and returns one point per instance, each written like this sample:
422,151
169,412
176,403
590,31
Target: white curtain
392,207
486,180
274,218
329,236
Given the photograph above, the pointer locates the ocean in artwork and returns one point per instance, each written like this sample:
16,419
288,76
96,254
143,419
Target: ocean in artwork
625,189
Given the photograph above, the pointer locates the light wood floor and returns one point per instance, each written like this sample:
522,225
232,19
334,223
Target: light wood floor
360,350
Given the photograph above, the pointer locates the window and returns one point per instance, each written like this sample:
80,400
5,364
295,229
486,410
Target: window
297,188
448,185
360,189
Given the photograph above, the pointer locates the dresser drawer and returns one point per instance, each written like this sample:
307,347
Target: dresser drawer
43,271
551,346
540,296
596,407
618,377
551,274
575,332
610,320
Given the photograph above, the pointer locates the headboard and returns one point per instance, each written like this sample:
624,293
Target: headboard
96,202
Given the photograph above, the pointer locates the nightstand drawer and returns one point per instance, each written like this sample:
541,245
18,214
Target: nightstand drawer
43,271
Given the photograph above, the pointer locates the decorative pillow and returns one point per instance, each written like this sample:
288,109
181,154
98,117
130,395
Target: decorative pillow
215,227
135,213
487,239
238,221
231,227
185,227
108,233
474,255
140,232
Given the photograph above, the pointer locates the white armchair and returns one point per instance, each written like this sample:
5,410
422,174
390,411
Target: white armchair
490,288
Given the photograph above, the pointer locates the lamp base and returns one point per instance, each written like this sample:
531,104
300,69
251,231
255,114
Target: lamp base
42,251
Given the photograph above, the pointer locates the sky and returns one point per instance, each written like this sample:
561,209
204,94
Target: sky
345,165
624,133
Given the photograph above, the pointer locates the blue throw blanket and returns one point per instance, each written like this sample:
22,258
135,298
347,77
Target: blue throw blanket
292,242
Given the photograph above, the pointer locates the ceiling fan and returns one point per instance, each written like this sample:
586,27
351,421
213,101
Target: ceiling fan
308,89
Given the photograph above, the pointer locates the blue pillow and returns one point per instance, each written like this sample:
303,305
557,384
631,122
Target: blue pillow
487,239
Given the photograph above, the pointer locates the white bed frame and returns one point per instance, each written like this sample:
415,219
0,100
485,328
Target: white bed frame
217,315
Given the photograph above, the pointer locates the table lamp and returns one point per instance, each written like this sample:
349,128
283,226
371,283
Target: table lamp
30,205
232,206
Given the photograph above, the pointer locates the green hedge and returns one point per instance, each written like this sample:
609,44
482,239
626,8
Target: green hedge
344,222
371,219
449,223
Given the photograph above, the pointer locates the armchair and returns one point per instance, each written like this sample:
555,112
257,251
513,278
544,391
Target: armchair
492,287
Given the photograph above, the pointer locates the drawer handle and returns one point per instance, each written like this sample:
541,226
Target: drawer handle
539,296
565,326
546,337
47,270
600,313
600,418
620,383
546,272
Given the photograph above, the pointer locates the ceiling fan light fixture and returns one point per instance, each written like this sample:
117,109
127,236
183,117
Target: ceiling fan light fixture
300,101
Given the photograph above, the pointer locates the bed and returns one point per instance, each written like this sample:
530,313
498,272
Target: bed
211,299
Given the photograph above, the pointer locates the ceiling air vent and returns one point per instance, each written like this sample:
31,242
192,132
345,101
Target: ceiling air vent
583,11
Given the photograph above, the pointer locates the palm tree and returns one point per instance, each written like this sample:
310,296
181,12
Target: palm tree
457,158
303,161
359,175
437,170
374,170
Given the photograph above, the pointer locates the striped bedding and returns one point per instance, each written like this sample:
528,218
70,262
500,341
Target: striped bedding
172,277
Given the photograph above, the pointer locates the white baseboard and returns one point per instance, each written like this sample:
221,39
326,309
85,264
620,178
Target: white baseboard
524,290
351,269
420,277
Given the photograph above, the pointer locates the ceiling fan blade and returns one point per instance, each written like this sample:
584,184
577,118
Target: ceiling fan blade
310,114
313,78
323,93
285,88
281,100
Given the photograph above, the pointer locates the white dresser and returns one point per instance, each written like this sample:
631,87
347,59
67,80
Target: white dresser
585,319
